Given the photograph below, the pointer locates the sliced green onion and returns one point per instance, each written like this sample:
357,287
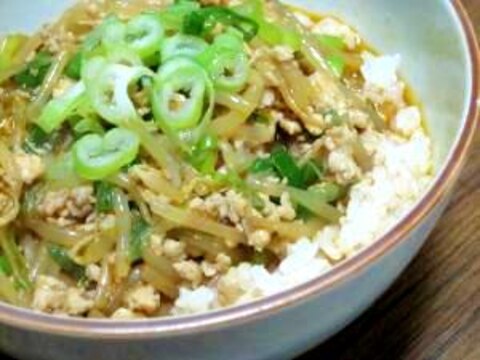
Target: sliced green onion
229,70
173,17
141,36
144,34
107,88
103,36
125,56
89,125
180,90
112,33
227,62
74,67
183,45
231,39
58,110
96,158
62,258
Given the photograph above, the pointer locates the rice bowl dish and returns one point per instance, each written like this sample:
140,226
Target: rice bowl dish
170,159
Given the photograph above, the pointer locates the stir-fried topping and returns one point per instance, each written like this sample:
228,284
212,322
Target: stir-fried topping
146,150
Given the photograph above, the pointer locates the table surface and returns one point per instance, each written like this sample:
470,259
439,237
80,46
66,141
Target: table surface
433,311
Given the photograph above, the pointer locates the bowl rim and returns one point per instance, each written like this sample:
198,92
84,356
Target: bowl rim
186,325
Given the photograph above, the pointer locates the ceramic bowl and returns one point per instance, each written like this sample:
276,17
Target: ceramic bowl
440,61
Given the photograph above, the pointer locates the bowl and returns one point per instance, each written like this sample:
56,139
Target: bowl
440,61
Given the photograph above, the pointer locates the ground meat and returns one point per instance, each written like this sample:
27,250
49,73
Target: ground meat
209,269
68,206
220,266
93,272
229,206
338,137
284,211
291,127
156,244
31,167
190,271
54,296
143,298
76,302
174,250
223,262
283,53
259,239
268,99
54,42
125,314
342,164
237,283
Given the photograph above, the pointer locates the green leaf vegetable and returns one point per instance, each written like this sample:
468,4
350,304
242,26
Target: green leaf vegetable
14,260
74,67
63,259
104,194
5,267
332,47
281,163
273,34
35,71
205,155
140,236
204,20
